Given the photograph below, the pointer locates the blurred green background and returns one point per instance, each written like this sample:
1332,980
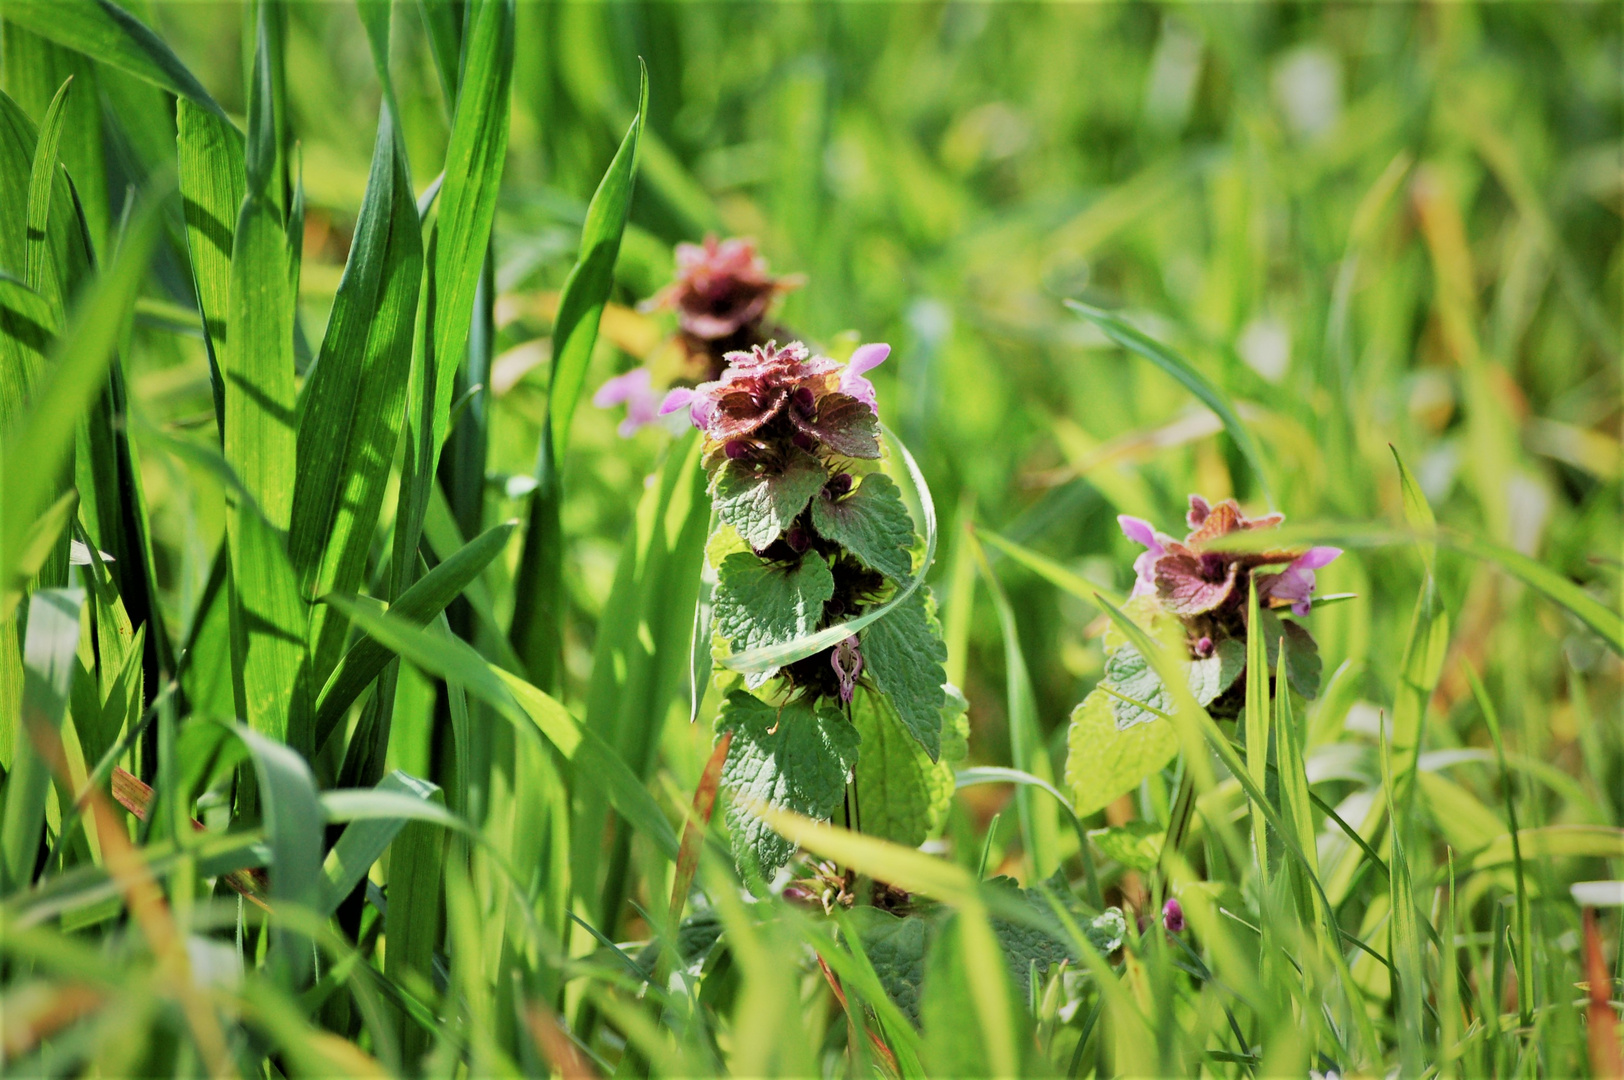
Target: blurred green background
1372,224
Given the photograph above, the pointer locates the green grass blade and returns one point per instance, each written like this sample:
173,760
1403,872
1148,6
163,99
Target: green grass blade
213,182
44,537
1039,828
107,33
373,827
1525,943
418,606
260,445
1256,723
44,439
48,660
39,274
473,171
353,403
1190,377
586,290
1048,569
524,706
640,661
412,921
1427,644
1407,947
539,602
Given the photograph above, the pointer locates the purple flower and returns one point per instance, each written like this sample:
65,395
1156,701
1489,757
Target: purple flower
634,391
1173,916
794,392
848,664
721,286
852,382
1191,580
1296,582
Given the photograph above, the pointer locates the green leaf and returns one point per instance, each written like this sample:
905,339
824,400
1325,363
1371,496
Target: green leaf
969,1010
903,655
1189,376
1303,664
896,947
792,757
418,606
111,35
1137,844
1105,761
896,788
1040,939
759,603
762,501
48,661
871,523
412,919
917,496
353,403
1211,676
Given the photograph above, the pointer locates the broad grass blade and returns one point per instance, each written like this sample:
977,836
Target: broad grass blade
366,838
107,33
353,403
39,274
213,182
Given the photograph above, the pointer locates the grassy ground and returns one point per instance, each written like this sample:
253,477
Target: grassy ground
1377,234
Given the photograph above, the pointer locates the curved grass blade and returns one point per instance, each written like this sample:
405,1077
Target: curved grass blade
213,183
1189,376
1048,569
376,816
417,606
106,32
38,272
916,493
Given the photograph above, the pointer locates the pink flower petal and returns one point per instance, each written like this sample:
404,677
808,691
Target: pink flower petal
868,357
622,388
1139,531
679,397
1315,558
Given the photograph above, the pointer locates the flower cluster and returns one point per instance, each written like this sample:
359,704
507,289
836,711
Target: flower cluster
722,295
1208,588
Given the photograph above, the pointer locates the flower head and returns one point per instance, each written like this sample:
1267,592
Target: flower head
721,286
1191,580
1173,916
774,394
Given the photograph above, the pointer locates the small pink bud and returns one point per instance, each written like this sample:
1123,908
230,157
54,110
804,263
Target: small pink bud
1173,916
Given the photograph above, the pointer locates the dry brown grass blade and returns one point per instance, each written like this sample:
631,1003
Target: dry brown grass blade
135,795
560,1050
1606,1059
693,833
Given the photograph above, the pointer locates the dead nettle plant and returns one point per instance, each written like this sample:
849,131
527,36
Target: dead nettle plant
827,649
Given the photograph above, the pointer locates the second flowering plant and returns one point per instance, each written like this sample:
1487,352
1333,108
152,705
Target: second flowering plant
813,534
